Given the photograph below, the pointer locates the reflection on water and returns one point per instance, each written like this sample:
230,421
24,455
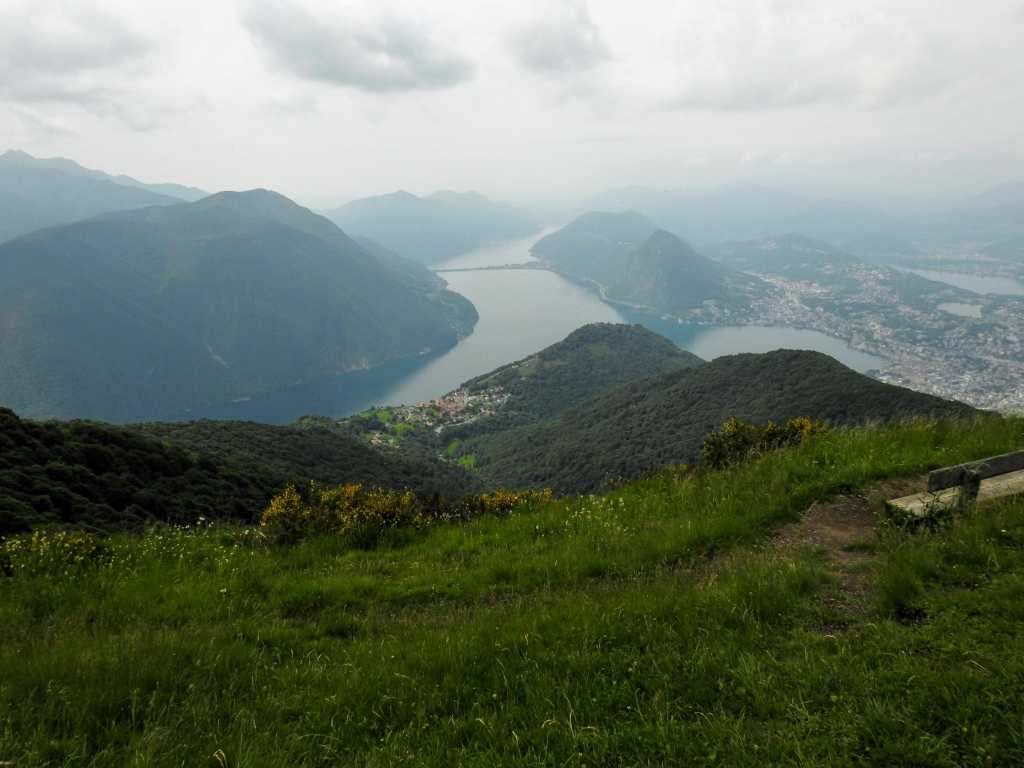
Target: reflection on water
1005,286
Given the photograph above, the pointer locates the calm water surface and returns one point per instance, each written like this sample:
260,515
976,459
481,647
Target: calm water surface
980,284
521,312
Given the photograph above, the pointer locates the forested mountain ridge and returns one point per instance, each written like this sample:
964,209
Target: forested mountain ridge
95,475
662,420
232,296
432,228
665,274
592,359
596,245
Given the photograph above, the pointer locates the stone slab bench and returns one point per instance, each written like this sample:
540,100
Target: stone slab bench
977,481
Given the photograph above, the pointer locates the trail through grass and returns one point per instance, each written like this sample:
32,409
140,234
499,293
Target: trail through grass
577,633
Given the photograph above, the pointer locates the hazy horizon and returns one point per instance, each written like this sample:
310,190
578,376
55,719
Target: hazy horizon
541,103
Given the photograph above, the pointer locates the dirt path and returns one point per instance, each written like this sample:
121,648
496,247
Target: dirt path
843,530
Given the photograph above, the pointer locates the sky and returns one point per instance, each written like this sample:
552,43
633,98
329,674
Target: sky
524,101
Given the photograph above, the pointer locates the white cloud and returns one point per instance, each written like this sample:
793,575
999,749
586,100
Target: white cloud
560,40
386,53
771,54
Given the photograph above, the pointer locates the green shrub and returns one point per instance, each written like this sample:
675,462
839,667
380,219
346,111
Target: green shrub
738,441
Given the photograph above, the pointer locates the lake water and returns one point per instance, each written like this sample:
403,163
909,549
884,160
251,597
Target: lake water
962,310
980,284
521,312
711,341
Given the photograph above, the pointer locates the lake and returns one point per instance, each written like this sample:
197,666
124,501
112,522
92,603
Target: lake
521,312
711,341
980,284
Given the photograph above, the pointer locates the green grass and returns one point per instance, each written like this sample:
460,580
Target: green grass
467,462
584,632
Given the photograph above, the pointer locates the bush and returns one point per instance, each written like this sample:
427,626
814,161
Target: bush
738,441
364,515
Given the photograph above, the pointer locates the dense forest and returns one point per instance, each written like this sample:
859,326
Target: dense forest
590,360
663,420
315,452
97,476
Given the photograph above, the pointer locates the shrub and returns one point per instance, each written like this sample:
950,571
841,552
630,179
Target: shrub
364,515
738,441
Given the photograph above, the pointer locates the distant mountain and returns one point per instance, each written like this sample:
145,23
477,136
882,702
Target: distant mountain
710,215
596,245
590,360
94,475
44,193
664,274
1007,250
143,314
663,420
433,228
17,158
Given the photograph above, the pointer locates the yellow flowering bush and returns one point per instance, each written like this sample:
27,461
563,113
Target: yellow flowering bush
739,441
51,552
364,514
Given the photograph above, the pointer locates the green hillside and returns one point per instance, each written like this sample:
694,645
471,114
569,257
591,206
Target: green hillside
432,228
97,476
594,246
653,422
664,274
743,618
233,296
314,453
590,360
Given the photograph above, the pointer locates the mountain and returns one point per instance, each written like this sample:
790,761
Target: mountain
594,246
94,475
665,274
590,360
144,314
710,215
433,228
21,159
662,420
44,193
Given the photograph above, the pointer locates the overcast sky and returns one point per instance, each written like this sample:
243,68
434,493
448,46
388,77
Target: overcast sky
326,101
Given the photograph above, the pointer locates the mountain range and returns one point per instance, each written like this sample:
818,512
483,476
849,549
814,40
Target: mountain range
434,228
146,313
37,193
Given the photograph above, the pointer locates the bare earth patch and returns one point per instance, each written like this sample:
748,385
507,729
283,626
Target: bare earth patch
843,530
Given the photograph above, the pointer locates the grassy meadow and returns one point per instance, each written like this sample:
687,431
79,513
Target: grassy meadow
654,625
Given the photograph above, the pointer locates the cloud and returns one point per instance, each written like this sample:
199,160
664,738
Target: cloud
52,52
563,41
39,124
382,55
776,54
64,53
